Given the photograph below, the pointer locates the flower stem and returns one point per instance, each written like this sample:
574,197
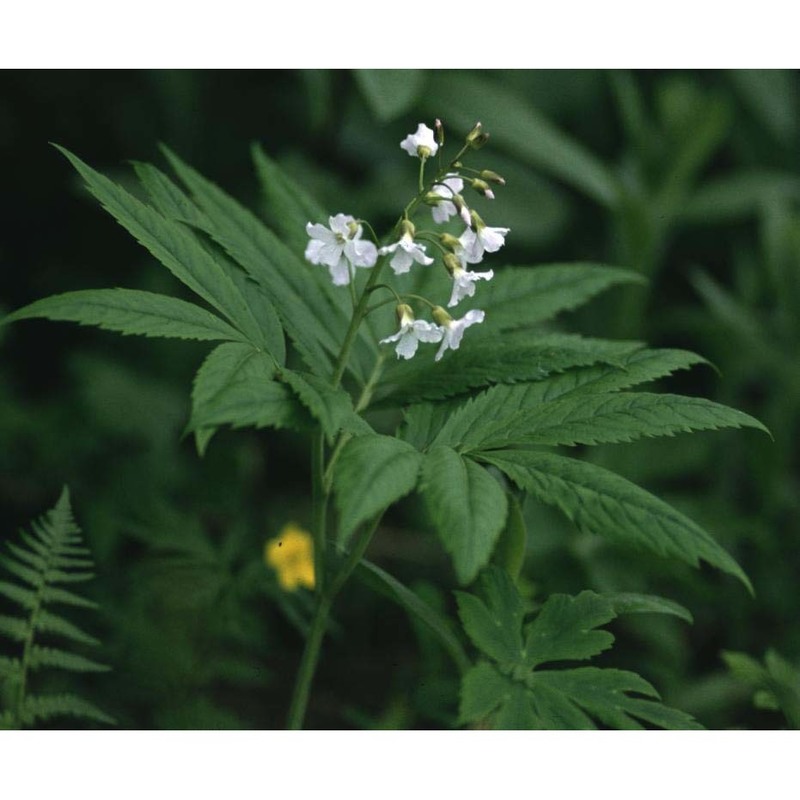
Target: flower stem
308,664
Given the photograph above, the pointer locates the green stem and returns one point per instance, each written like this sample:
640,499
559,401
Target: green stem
308,663
319,500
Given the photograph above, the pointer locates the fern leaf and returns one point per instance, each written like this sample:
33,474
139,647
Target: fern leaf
44,707
602,418
10,668
30,576
130,311
17,594
42,657
602,502
173,246
14,628
47,622
54,594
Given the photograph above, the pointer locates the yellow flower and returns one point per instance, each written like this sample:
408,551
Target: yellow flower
291,555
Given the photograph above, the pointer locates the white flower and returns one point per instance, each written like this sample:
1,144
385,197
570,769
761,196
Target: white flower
421,143
412,332
474,243
406,252
448,188
340,247
464,283
454,329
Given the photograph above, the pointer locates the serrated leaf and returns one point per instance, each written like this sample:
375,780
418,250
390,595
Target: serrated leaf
372,473
314,325
236,386
466,424
468,508
618,417
509,553
524,296
599,501
174,246
173,203
483,689
332,408
390,587
518,128
390,92
44,707
512,358
494,625
42,657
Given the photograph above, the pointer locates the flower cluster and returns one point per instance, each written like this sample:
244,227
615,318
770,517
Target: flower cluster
341,248
291,555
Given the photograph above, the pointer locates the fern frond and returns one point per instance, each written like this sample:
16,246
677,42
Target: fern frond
52,552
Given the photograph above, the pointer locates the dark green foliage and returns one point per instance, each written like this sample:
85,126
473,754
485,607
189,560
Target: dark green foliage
509,690
51,555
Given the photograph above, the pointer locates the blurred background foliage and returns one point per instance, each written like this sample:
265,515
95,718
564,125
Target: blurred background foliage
690,177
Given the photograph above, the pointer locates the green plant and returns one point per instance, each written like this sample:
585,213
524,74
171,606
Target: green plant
49,558
462,432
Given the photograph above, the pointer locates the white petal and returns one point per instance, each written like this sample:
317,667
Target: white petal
361,253
418,254
317,231
407,345
443,211
339,223
473,317
312,251
389,248
330,254
473,248
427,331
393,338
401,262
492,238
340,272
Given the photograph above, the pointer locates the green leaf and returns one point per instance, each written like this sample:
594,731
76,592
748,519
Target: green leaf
381,581
483,689
524,296
603,694
51,623
44,707
632,603
174,246
173,203
518,128
494,625
602,502
467,424
53,594
17,594
14,628
514,357
509,554
372,473
42,657
564,629
602,418
332,408
468,508
771,95
311,321
236,386
390,92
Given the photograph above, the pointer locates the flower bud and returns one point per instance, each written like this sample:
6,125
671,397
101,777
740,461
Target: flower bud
449,241
492,177
461,207
482,187
439,128
476,223
405,314
452,263
441,316
432,199
407,228
476,138
423,151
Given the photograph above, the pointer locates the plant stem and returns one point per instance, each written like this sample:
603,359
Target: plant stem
308,663
319,500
